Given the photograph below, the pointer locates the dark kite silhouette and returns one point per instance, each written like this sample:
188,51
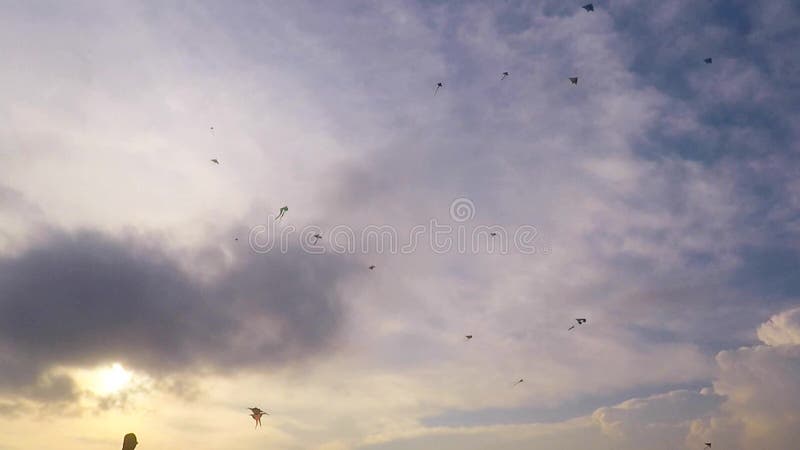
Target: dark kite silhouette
580,322
256,415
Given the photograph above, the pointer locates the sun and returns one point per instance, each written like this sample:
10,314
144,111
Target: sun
113,379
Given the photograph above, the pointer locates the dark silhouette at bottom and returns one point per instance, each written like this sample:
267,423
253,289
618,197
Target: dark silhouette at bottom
129,442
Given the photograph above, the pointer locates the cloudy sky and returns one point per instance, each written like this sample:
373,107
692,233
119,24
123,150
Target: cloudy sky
144,288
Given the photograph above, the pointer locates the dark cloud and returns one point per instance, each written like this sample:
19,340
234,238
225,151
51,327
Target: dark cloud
51,388
9,409
10,198
87,298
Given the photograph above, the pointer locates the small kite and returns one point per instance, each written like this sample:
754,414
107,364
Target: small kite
316,237
518,382
588,8
438,85
256,415
573,80
469,336
580,322
708,444
371,267
505,74
215,161
282,212
708,60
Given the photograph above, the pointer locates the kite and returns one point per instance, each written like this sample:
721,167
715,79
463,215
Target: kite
469,336
580,322
215,161
371,267
438,85
505,74
316,237
282,212
518,382
588,8
256,415
707,60
708,444
573,80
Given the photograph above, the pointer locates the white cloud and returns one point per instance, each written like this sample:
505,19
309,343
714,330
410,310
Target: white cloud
754,402
781,329
760,383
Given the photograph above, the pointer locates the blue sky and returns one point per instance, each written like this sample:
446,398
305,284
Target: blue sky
663,192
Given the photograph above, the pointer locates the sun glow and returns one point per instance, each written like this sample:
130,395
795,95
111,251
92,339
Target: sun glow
113,379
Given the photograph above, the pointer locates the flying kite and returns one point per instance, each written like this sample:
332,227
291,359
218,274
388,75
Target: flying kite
573,80
371,267
282,212
580,322
256,415
469,336
505,74
588,8
215,161
707,60
708,444
518,382
316,237
438,85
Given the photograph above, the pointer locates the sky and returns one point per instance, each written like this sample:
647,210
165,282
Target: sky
145,289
